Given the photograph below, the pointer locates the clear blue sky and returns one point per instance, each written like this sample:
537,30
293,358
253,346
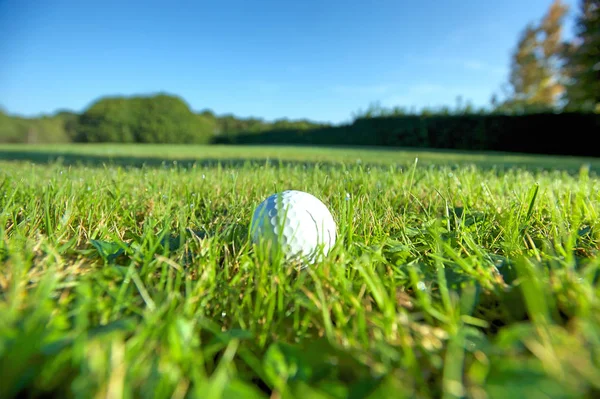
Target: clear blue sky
320,60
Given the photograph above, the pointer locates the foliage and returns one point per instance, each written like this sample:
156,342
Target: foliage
536,79
44,129
230,126
70,121
376,110
583,55
497,131
160,118
9,129
446,281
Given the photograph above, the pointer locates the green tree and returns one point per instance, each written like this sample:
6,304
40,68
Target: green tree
583,54
211,121
43,129
70,122
48,129
9,129
165,119
107,120
207,127
159,118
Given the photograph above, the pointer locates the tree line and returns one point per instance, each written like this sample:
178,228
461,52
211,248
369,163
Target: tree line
156,118
564,133
548,74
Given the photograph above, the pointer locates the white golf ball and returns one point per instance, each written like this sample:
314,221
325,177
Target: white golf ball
296,223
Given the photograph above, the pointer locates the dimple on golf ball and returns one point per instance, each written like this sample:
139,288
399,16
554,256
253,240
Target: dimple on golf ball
296,223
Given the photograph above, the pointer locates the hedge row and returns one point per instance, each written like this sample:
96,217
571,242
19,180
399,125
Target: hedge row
543,133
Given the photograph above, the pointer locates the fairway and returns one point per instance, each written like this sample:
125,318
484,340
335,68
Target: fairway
127,271
187,155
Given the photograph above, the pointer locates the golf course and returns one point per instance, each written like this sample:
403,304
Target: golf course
128,271
300,200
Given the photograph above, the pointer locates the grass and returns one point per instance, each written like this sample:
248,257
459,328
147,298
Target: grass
186,155
453,278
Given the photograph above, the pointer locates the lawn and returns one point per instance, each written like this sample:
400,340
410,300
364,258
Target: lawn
127,271
186,155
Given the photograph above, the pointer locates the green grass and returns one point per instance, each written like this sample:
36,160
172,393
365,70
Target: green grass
454,276
186,155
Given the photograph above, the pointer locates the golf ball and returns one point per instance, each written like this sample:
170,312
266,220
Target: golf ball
296,223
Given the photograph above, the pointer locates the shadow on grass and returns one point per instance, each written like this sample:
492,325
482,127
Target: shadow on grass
70,159
99,160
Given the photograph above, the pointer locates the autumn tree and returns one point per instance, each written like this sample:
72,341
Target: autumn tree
583,65
536,80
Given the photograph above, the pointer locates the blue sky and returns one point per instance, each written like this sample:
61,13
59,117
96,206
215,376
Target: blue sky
321,60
